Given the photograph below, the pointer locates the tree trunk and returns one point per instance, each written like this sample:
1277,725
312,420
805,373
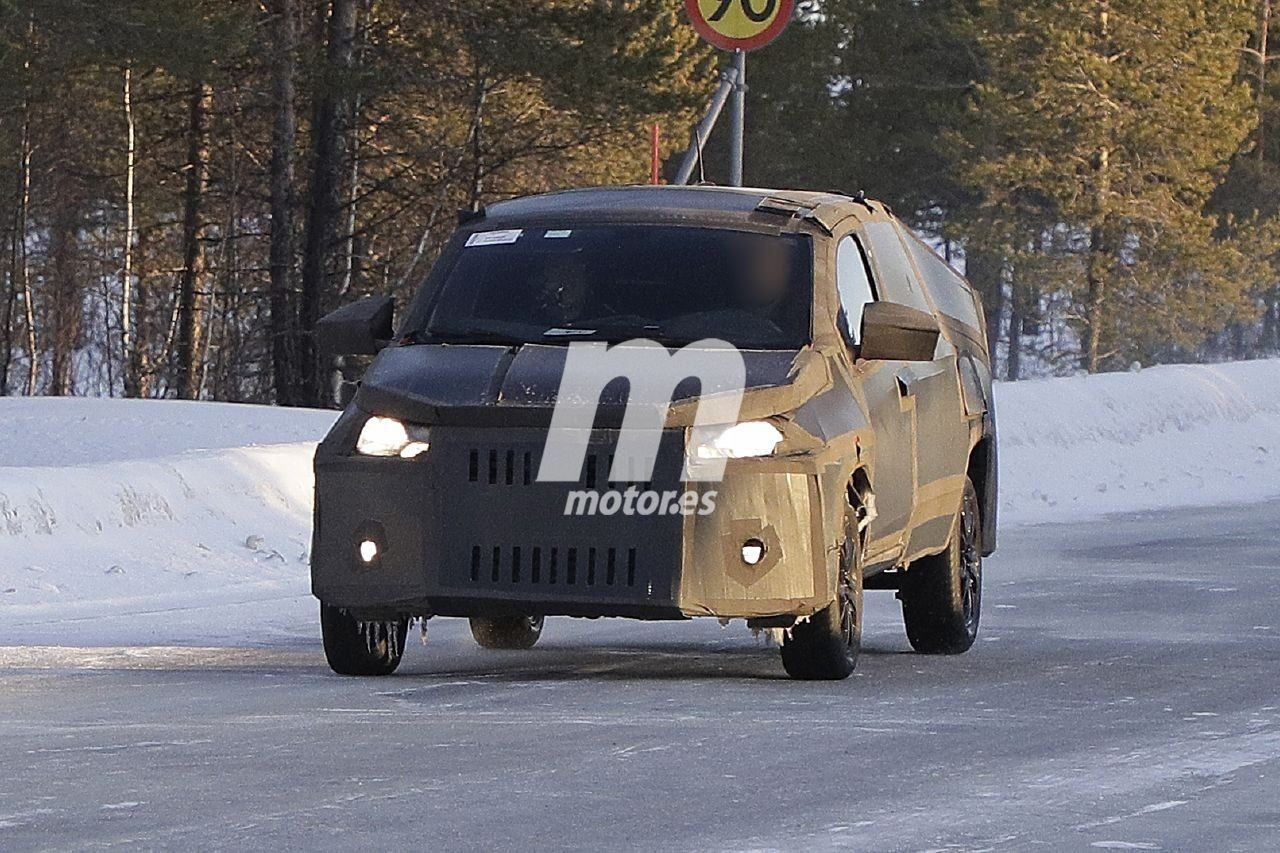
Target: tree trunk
145,326
984,269
1098,261
1017,316
1271,322
10,303
1264,38
283,139
1095,299
477,137
17,251
65,296
28,297
352,266
350,239
1097,266
324,196
128,356
17,256
190,296
1271,315
21,264
215,325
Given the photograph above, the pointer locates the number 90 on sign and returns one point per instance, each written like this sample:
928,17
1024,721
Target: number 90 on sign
739,24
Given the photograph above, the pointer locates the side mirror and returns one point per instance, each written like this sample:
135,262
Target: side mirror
892,332
361,328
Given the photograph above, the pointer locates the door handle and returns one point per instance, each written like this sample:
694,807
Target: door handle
906,384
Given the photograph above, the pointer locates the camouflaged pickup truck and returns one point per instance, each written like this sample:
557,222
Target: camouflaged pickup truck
863,454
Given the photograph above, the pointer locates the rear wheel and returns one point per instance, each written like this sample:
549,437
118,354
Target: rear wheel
825,646
353,647
942,595
507,632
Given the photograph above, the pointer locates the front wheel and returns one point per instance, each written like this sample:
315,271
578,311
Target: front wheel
942,595
353,647
507,632
825,646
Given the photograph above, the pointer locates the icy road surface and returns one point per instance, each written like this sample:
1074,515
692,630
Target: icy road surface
1124,695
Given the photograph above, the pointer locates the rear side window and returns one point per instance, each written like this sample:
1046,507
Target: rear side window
945,285
897,278
853,282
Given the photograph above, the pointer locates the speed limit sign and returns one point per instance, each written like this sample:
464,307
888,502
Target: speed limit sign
739,24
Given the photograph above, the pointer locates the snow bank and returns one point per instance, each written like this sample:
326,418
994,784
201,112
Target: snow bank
156,521
1166,437
131,510
57,431
154,516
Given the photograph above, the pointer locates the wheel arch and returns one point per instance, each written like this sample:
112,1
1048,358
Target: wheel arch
983,470
861,499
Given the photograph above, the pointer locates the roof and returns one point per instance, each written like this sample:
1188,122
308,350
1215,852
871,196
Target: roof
649,199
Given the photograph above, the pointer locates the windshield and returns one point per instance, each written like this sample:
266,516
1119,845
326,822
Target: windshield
618,282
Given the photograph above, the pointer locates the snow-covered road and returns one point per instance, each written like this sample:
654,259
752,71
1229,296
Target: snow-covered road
1123,696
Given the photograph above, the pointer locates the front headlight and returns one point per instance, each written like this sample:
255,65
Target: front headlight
739,441
389,437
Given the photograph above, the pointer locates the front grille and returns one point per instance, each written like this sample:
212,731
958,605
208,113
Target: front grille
507,467
505,535
553,565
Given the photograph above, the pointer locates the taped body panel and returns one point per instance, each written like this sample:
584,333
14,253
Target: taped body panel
465,530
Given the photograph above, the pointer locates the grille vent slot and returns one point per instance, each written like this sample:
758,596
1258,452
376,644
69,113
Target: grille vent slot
553,566
503,467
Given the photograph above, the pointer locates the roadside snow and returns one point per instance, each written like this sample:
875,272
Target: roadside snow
158,522
204,529
89,431
1166,437
150,521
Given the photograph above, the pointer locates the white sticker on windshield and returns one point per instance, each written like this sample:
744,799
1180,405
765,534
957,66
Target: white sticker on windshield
556,235
494,238
566,333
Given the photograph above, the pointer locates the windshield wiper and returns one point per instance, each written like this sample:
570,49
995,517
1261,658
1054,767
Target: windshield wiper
462,336
567,332
607,331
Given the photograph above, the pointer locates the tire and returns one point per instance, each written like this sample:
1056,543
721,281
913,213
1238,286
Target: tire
361,648
942,595
507,632
825,646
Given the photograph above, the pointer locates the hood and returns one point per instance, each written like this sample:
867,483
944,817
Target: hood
517,386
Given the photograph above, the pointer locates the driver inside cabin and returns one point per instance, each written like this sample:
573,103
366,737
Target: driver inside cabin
762,270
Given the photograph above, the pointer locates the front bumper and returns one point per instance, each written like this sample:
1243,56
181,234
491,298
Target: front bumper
467,530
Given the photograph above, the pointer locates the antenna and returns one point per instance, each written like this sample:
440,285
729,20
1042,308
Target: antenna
702,174
693,154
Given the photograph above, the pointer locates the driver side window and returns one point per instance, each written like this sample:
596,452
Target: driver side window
853,282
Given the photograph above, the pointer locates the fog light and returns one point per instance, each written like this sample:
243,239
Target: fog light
752,552
368,550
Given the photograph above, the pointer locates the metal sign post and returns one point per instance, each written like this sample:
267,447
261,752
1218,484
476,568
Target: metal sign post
693,156
739,26
738,117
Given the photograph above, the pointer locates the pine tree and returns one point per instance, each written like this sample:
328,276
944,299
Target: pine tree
1115,119
1251,192
199,262
860,95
